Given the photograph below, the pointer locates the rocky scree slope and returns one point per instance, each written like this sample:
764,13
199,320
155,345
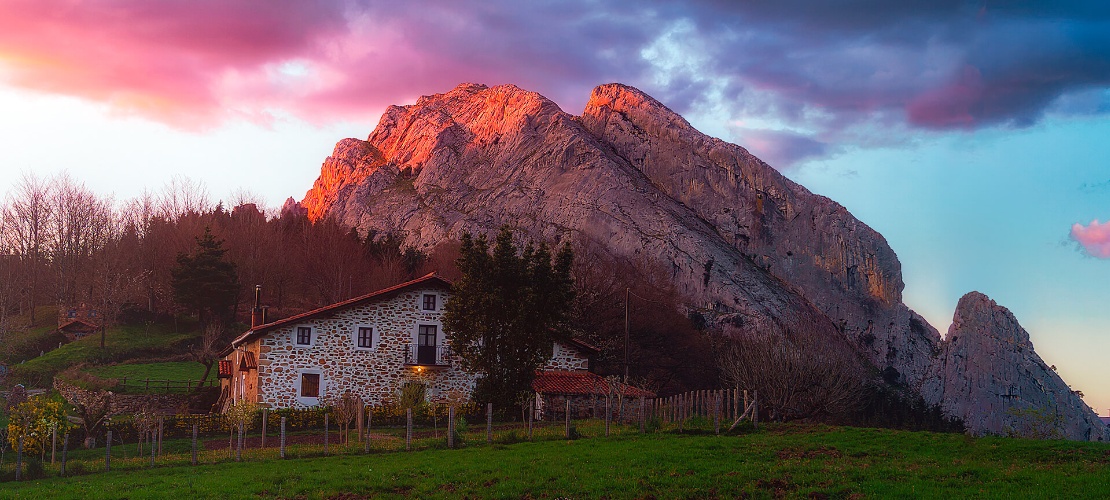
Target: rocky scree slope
746,245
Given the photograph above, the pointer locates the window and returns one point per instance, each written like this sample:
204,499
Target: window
72,313
429,301
310,385
304,335
365,338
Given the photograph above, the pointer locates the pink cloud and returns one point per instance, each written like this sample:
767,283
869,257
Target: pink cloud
952,105
1094,237
195,63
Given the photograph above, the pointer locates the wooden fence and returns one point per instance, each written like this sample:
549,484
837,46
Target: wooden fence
149,385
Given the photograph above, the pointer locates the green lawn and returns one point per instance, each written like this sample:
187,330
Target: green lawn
792,461
173,370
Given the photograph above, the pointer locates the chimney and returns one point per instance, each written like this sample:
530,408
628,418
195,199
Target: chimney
258,314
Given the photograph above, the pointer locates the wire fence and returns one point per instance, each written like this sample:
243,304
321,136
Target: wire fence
142,442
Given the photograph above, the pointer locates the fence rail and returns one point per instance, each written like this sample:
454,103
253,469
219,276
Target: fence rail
136,442
148,385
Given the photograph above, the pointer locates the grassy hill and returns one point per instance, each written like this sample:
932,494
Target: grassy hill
793,461
34,355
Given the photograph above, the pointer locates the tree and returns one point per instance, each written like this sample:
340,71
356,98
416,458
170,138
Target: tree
799,374
204,282
506,311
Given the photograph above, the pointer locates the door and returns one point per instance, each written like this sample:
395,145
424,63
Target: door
426,346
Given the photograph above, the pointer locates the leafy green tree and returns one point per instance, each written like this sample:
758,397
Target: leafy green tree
204,281
506,311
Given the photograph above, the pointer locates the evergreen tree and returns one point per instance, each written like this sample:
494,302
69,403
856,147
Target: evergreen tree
506,312
204,282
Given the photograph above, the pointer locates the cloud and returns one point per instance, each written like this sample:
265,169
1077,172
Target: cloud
1094,238
849,71
781,149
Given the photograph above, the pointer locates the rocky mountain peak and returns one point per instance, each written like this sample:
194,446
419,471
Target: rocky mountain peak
988,375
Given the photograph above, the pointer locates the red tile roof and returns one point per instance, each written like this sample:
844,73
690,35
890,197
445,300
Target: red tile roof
582,383
247,362
257,331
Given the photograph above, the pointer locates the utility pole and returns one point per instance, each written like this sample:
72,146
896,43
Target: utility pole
626,292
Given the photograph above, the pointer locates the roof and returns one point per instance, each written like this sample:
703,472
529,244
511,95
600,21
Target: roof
1105,420
224,369
582,383
88,325
247,362
428,279
582,345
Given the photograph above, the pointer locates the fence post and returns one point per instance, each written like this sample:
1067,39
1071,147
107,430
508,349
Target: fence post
755,411
19,457
282,452
717,413
489,423
65,452
681,413
408,430
641,414
239,443
53,441
369,420
567,416
153,437
265,419
608,414
194,442
531,415
358,418
450,426
161,432
108,453
326,433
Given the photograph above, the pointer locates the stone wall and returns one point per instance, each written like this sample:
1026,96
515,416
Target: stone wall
124,404
567,358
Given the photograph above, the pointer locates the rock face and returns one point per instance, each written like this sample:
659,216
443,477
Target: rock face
744,244
988,374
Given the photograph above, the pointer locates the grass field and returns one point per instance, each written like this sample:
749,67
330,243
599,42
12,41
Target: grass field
794,461
137,372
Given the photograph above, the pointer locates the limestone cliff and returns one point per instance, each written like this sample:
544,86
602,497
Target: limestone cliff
988,374
743,243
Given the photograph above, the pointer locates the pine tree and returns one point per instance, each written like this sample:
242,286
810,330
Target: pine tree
204,282
506,312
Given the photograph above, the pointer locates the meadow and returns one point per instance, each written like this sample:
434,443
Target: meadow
777,461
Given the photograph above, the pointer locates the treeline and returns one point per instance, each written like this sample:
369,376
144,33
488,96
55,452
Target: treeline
61,243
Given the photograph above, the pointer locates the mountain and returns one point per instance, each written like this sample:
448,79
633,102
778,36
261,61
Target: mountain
743,244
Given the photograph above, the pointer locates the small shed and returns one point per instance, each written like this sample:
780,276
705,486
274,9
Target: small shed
586,391
78,321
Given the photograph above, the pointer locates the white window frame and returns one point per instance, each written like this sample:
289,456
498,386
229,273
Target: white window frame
309,401
375,338
311,336
439,302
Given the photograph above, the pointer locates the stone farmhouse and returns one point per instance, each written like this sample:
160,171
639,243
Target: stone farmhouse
370,346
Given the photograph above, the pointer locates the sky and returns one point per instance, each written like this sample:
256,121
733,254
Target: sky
972,135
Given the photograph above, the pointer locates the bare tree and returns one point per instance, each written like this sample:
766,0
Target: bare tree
27,216
92,408
799,373
345,408
183,196
208,351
